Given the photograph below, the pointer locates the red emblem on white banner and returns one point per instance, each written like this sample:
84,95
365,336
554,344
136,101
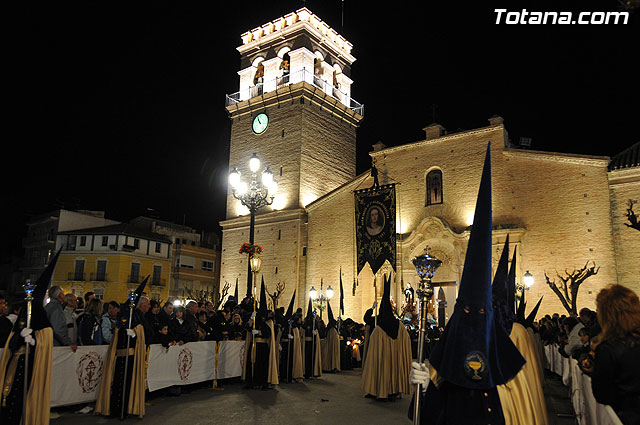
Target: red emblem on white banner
185,360
89,371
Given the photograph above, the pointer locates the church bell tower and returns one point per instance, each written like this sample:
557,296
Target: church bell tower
293,110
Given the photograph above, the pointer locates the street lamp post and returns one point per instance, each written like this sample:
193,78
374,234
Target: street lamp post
320,297
255,195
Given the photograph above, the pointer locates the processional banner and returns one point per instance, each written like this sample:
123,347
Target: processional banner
376,226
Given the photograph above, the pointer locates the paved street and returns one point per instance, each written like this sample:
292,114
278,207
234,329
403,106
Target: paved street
334,398
331,399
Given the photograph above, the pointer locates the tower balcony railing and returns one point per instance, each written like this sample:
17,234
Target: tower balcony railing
293,78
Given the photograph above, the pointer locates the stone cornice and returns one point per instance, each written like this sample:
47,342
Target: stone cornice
602,161
445,138
301,19
261,219
294,92
624,175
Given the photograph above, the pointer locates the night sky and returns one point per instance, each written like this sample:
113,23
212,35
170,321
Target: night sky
121,108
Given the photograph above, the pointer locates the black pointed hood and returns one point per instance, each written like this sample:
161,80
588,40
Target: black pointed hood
473,352
123,314
502,313
39,319
511,283
235,294
532,316
341,311
387,321
262,308
289,312
309,315
332,321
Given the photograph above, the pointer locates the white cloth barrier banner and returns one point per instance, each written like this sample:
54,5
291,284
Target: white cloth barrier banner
75,377
588,410
193,362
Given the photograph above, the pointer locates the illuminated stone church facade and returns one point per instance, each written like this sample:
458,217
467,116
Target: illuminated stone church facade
560,210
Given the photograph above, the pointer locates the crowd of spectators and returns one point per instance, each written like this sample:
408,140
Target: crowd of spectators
606,344
165,324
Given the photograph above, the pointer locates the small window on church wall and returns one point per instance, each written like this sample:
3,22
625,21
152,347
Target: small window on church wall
434,187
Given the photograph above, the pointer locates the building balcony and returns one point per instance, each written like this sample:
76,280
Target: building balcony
77,277
158,282
99,277
152,281
293,78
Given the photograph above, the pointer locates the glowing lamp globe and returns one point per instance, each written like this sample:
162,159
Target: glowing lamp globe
528,279
329,292
234,178
254,163
267,177
256,263
313,294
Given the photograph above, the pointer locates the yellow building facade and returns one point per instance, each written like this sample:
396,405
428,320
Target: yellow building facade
111,261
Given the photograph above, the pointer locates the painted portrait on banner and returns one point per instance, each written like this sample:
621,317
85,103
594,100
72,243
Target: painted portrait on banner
376,226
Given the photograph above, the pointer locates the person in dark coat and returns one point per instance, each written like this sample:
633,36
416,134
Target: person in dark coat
205,330
219,324
616,370
90,326
182,329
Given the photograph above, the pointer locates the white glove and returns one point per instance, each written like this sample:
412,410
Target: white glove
315,332
255,331
419,375
26,334
375,303
131,333
280,347
253,315
290,336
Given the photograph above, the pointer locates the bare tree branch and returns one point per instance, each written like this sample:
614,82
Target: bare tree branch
568,292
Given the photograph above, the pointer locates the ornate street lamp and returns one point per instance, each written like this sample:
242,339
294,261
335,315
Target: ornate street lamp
426,266
255,195
320,297
527,283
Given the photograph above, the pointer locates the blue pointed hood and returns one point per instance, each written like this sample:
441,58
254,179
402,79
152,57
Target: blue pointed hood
473,352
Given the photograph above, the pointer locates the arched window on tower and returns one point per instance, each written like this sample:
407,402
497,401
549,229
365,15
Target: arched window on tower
434,187
285,65
258,79
336,85
317,72
285,69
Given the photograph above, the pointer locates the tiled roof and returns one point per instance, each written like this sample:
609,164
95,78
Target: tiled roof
119,229
628,158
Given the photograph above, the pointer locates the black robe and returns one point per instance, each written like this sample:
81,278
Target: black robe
258,374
